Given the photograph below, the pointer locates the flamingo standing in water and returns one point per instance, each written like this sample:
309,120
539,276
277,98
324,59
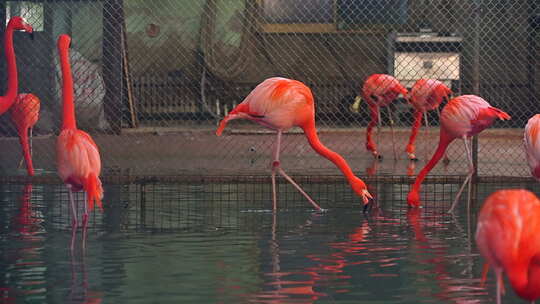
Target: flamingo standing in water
463,117
77,155
279,104
532,145
507,237
25,114
380,90
15,23
425,95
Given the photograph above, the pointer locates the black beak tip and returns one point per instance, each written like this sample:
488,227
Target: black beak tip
32,35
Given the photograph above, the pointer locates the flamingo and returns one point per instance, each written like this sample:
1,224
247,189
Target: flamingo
77,155
425,95
507,237
532,145
15,23
279,104
380,90
25,114
463,117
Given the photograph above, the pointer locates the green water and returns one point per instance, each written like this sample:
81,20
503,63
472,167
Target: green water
220,243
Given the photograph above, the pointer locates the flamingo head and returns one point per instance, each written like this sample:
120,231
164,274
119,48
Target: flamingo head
442,92
18,23
413,199
360,188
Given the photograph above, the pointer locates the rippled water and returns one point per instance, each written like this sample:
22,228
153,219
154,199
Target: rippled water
221,244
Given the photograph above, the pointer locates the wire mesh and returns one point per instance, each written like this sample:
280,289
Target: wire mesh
152,78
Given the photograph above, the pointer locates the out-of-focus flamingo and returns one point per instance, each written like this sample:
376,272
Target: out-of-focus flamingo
507,237
279,104
425,95
77,155
25,114
379,90
15,23
532,145
463,117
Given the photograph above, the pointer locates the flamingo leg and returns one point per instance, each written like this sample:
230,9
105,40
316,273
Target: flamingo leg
85,219
275,164
426,134
288,178
370,144
469,175
498,273
73,217
392,131
446,160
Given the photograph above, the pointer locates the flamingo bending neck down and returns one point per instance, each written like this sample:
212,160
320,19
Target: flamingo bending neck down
379,90
425,95
531,141
507,237
463,117
77,155
279,104
15,23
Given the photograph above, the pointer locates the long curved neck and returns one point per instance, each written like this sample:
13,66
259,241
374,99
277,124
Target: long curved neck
12,88
444,141
313,139
68,107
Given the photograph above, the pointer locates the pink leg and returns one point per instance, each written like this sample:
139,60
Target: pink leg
277,166
392,132
469,175
498,273
73,216
85,219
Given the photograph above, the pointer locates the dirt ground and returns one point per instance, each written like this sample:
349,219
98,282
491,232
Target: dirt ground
245,149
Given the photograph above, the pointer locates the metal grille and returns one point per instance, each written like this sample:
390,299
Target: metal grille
152,78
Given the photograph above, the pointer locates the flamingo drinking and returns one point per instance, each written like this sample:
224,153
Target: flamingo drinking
279,104
463,117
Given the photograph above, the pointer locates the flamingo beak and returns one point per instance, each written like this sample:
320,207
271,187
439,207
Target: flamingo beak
366,196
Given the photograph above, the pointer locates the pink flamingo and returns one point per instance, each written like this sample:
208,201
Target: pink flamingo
279,104
15,23
425,95
532,145
463,117
507,237
77,155
380,90
25,114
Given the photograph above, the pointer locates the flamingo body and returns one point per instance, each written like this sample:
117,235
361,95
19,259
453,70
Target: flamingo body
25,114
531,141
507,237
379,90
279,104
463,117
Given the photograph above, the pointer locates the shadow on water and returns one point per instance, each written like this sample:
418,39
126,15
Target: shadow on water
220,243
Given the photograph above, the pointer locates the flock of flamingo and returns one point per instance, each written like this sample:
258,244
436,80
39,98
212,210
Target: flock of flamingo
509,220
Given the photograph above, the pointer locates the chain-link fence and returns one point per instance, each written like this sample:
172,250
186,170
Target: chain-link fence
153,78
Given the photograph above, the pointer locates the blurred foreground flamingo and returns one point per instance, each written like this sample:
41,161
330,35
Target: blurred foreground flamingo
380,90
25,114
77,156
507,237
15,23
279,104
463,117
425,95
532,145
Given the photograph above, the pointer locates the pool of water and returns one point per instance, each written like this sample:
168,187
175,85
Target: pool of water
220,243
